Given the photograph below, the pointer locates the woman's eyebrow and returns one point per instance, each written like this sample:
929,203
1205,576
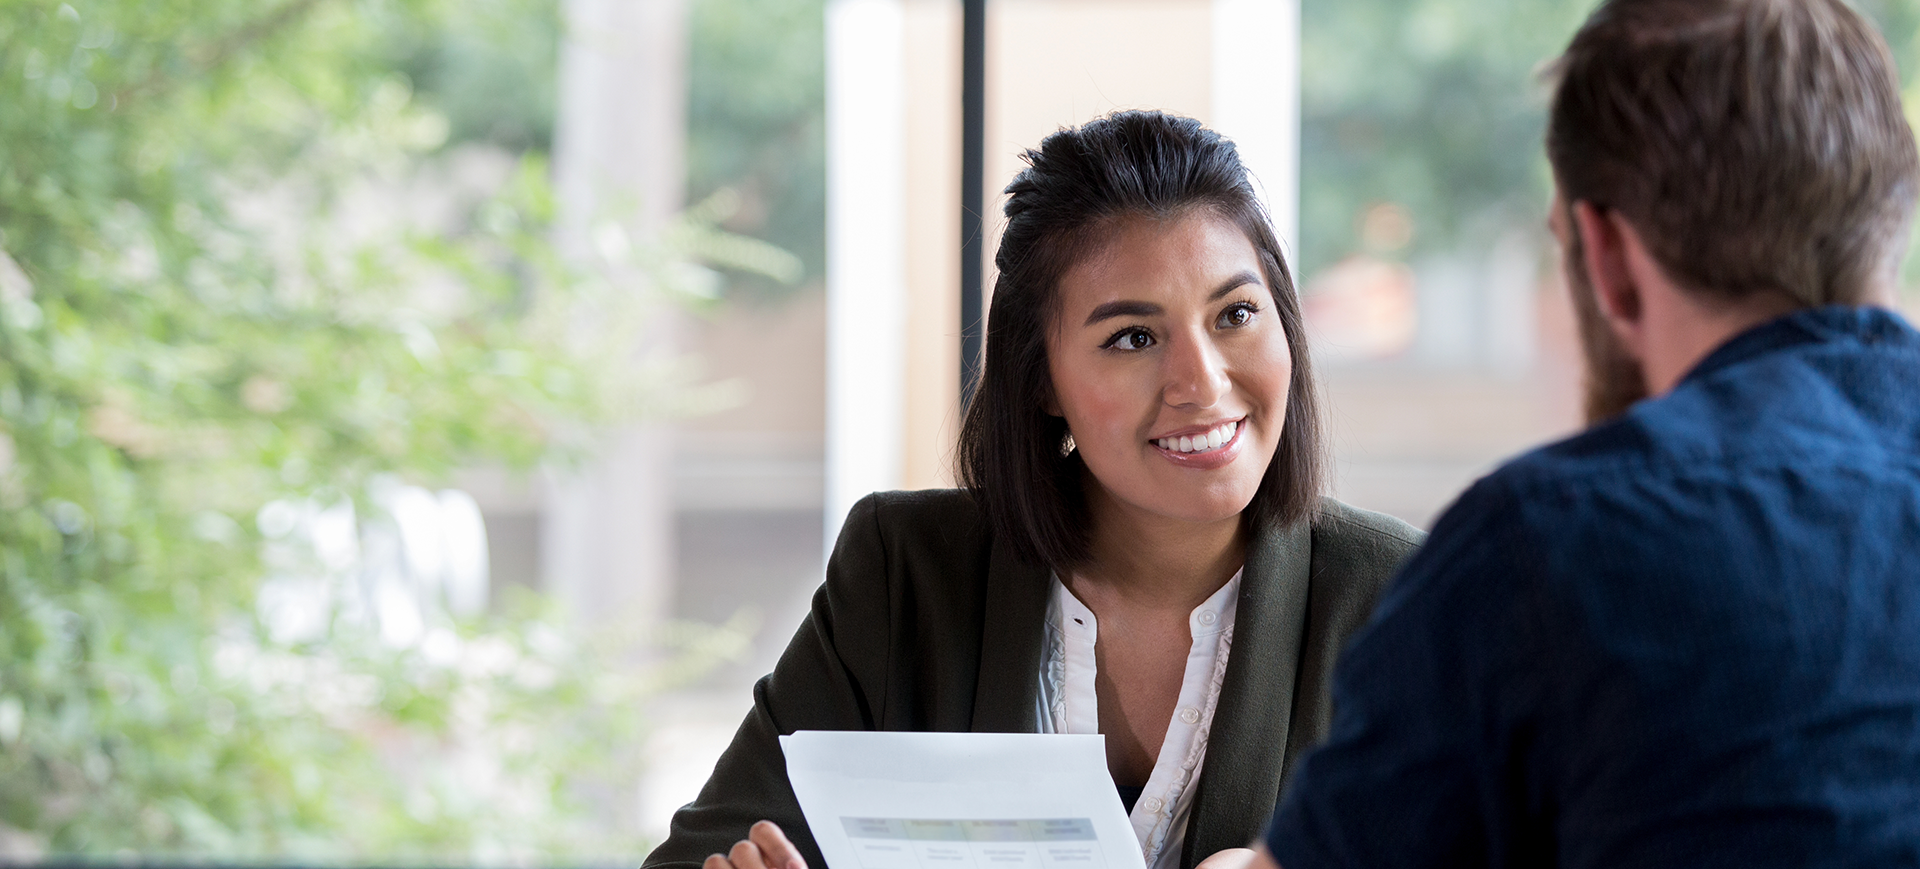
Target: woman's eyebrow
1233,283
1122,308
1131,308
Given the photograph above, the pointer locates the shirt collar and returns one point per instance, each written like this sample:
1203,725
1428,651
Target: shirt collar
1071,618
1829,324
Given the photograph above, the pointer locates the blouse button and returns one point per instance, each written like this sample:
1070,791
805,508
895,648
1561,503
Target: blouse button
1207,618
1152,805
1190,715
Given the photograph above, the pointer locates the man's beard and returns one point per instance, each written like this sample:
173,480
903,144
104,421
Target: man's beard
1613,379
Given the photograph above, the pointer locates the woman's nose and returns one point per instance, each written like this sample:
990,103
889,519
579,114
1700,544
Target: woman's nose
1196,374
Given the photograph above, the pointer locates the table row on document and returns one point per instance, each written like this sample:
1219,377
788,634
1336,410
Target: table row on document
1026,843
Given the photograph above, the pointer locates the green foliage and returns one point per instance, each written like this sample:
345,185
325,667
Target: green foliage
490,70
1899,21
756,122
1432,105
224,284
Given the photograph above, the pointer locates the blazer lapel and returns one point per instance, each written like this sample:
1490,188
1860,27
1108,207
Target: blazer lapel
1247,745
1010,644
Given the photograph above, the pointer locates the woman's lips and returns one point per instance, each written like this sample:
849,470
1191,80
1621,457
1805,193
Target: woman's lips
1212,456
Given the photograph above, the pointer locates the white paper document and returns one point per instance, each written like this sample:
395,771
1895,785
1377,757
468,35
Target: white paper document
960,800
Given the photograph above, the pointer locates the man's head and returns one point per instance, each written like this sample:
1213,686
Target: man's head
1756,149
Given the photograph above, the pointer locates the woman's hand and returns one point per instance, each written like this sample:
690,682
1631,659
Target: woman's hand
1232,858
766,847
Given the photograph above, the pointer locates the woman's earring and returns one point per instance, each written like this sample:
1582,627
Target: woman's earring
1067,446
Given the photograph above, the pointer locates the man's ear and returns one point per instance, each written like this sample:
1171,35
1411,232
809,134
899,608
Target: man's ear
1604,237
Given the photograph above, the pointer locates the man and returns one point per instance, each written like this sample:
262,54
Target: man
1690,635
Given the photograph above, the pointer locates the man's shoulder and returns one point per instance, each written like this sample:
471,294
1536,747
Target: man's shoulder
1795,453
1736,433
1596,484
1599,452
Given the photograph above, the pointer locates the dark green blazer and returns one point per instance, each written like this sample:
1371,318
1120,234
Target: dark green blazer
926,622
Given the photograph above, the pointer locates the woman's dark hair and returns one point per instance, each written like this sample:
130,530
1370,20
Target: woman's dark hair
1075,190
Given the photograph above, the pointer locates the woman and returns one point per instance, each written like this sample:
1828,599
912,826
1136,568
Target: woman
1140,549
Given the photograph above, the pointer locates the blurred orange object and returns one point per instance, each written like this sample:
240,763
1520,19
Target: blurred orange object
1361,308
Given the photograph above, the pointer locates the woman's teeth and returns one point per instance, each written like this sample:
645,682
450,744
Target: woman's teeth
1200,443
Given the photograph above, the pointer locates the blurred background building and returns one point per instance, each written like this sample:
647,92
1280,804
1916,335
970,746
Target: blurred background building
782,179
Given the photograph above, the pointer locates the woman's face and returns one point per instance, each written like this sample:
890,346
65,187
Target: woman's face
1171,367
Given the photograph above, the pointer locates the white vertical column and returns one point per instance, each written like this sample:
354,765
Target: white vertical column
1256,101
607,545
866,252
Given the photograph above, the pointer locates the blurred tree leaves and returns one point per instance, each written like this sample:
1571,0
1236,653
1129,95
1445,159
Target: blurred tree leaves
1432,105
224,285
756,123
490,70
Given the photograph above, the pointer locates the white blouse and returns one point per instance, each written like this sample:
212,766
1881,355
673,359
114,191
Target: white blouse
1068,705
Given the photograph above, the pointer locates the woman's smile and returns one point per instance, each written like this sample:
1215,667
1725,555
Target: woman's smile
1202,447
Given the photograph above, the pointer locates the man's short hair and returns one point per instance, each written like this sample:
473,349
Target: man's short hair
1757,145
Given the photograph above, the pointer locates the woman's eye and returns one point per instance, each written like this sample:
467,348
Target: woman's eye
1238,315
1130,339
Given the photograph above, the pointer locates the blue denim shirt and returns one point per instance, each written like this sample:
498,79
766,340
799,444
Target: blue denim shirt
1687,637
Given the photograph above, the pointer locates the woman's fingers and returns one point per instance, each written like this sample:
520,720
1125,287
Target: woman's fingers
746,855
766,847
778,851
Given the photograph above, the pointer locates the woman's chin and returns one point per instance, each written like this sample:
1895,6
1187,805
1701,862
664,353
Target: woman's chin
1176,494
1198,508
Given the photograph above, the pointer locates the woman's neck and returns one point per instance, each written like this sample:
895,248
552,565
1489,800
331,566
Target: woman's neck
1155,561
